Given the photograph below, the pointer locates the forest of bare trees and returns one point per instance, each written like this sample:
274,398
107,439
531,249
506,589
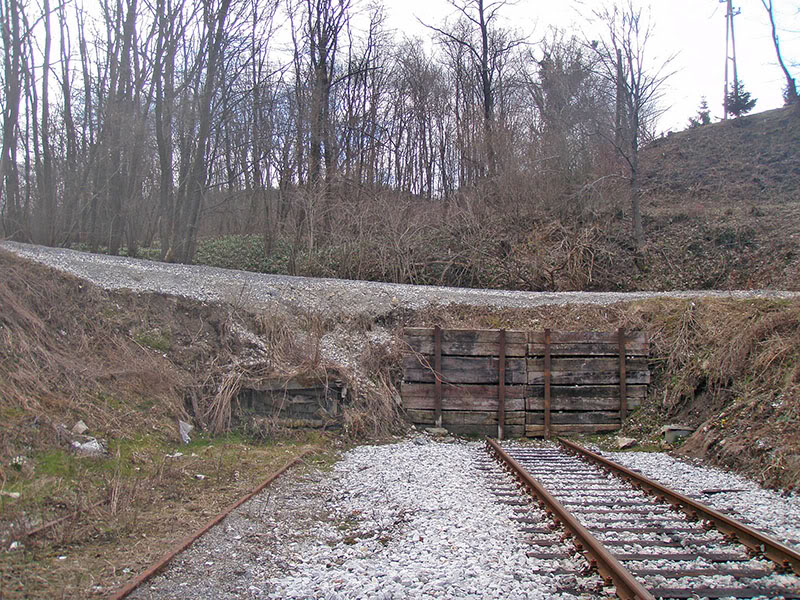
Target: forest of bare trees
154,123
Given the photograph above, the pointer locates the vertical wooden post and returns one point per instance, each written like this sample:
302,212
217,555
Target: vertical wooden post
547,383
437,368
623,383
501,387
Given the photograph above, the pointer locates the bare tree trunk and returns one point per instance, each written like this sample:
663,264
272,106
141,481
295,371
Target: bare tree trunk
196,178
791,85
46,207
13,220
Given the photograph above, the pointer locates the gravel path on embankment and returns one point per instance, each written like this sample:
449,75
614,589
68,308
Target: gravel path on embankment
410,520
256,291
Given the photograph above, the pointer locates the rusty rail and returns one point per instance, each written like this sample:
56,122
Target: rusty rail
628,588
162,562
779,553
73,515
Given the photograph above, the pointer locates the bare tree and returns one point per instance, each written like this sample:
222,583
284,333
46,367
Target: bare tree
623,60
325,20
488,52
14,55
791,86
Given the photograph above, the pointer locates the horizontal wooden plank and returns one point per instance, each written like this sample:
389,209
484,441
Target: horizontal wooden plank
484,404
538,430
569,417
463,369
472,336
463,417
465,391
585,391
588,337
581,403
597,378
590,349
587,371
586,364
455,348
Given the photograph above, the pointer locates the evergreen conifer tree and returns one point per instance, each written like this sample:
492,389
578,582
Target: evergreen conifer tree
703,115
739,101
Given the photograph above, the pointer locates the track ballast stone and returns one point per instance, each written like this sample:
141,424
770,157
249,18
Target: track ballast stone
409,520
424,525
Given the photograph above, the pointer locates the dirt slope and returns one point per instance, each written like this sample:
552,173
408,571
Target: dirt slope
752,159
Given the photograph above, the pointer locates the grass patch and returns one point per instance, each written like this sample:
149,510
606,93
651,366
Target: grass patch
155,339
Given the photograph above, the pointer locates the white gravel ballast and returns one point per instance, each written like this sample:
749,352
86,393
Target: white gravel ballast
425,525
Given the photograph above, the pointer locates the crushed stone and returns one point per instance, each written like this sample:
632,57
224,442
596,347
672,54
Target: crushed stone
258,291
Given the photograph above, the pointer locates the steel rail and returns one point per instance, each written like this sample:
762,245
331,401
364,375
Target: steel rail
162,562
779,553
627,586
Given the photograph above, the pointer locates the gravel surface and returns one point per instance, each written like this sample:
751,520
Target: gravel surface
773,513
414,519
258,291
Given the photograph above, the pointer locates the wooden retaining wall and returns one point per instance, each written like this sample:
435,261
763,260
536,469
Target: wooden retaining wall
513,383
299,402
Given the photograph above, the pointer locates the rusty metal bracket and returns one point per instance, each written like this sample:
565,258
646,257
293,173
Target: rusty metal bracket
437,372
547,376
623,378
501,386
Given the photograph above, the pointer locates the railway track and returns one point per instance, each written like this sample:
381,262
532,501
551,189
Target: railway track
641,538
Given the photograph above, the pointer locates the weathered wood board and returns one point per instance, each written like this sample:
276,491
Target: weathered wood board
481,404
292,401
538,430
466,417
584,379
464,369
465,342
584,417
638,392
587,371
427,390
586,403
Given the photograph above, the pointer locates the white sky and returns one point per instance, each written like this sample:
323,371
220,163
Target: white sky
695,29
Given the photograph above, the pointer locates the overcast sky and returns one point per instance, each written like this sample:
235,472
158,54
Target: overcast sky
695,29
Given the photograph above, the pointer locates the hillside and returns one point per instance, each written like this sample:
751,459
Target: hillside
722,204
721,210
750,159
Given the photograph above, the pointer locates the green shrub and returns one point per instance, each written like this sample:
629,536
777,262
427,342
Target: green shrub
245,252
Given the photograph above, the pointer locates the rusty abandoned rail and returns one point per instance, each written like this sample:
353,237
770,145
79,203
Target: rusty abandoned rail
627,586
162,562
779,553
